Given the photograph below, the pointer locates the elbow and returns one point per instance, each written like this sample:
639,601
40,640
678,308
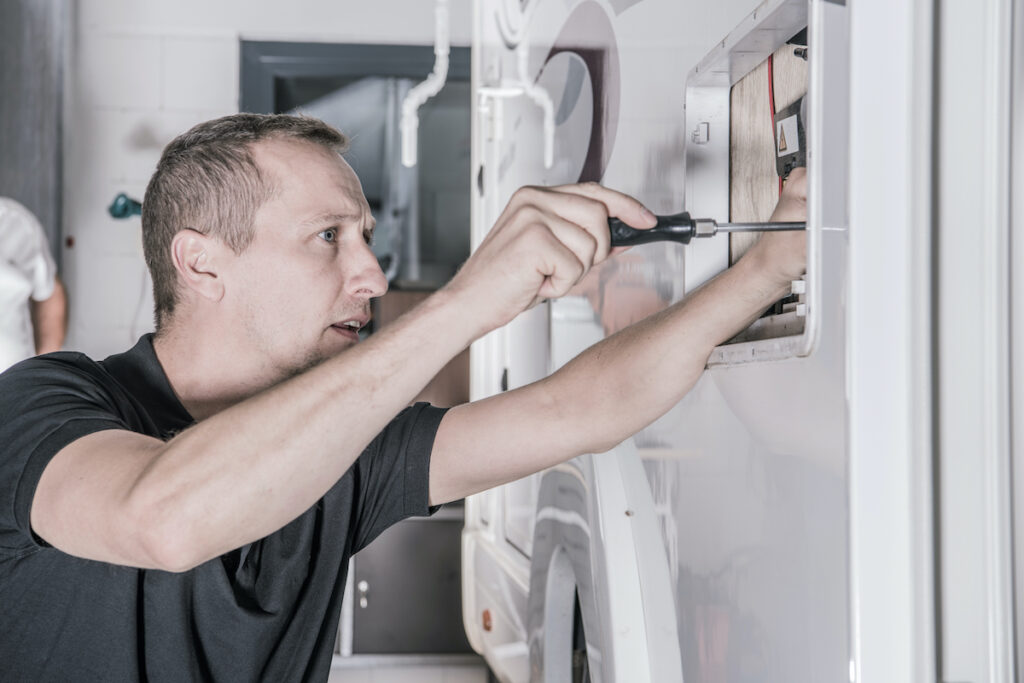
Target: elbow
168,548
169,555
163,539
605,445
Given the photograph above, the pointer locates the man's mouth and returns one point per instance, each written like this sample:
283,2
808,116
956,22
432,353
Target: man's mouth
349,328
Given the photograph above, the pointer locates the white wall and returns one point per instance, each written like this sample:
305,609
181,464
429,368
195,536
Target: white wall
142,72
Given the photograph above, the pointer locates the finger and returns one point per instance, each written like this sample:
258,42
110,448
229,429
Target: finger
544,214
580,241
560,269
589,215
617,204
795,186
789,210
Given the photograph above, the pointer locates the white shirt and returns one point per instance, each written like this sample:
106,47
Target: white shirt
26,270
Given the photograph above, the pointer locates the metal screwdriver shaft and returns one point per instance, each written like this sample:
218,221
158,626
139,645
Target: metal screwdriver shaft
759,227
682,228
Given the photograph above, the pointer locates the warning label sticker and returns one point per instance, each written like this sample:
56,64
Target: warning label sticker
787,136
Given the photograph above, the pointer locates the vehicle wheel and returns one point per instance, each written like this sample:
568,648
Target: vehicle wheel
580,663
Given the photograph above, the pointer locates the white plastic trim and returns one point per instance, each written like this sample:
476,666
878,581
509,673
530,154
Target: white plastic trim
540,97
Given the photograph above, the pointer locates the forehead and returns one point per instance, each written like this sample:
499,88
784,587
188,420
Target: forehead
309,178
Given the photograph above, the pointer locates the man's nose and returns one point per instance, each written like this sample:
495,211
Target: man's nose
366,279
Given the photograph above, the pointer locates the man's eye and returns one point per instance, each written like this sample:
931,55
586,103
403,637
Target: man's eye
328,235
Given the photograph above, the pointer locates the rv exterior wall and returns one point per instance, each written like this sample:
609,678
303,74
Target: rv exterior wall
706,519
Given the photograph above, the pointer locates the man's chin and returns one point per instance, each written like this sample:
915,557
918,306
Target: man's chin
317,357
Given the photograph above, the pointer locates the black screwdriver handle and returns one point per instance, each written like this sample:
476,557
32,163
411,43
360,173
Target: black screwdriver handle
675,228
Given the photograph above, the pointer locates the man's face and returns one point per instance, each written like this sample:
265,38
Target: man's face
302,288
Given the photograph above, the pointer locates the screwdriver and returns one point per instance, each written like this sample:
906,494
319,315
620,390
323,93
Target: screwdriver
680,227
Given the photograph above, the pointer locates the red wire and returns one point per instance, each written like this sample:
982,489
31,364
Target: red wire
771,103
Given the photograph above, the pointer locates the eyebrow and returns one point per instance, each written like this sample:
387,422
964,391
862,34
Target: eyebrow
324,218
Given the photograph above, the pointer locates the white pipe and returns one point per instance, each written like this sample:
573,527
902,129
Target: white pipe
428,88
500,91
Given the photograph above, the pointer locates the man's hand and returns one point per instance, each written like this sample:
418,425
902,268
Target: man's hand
783,255
545,241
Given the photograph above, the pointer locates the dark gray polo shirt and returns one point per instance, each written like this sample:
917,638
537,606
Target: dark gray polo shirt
267,611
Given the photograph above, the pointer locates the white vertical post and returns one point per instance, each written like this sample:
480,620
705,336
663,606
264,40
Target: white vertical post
889,355
973,368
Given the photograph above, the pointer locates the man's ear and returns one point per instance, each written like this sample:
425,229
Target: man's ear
198,258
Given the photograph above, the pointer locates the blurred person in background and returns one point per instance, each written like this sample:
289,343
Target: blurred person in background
33,304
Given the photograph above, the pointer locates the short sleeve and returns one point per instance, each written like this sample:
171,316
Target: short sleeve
26,247
45,403
43,275
393,473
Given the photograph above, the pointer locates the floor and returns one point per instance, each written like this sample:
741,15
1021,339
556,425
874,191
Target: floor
462,673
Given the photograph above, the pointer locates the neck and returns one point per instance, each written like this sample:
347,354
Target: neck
204,378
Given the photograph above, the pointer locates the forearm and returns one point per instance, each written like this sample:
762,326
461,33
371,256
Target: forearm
607,393
251,469
625,382
50,320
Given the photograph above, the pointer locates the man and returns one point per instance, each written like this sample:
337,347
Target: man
185,510
33,306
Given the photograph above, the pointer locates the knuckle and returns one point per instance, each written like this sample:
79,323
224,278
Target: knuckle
527,194
530,215
575,268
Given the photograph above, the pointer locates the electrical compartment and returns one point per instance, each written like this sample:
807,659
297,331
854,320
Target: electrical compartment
757,105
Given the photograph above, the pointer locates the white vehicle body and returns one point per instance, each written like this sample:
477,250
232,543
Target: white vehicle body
806,512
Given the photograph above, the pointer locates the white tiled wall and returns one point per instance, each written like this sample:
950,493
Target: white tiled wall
142,72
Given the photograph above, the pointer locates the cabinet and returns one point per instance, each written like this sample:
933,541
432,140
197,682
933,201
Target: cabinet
407,589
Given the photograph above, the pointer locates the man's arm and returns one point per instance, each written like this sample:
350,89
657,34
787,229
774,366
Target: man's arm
245,472
620,385
235,477
50,319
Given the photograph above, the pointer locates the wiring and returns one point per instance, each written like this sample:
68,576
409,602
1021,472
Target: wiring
771,104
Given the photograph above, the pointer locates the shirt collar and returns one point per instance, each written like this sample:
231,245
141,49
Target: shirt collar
140,372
